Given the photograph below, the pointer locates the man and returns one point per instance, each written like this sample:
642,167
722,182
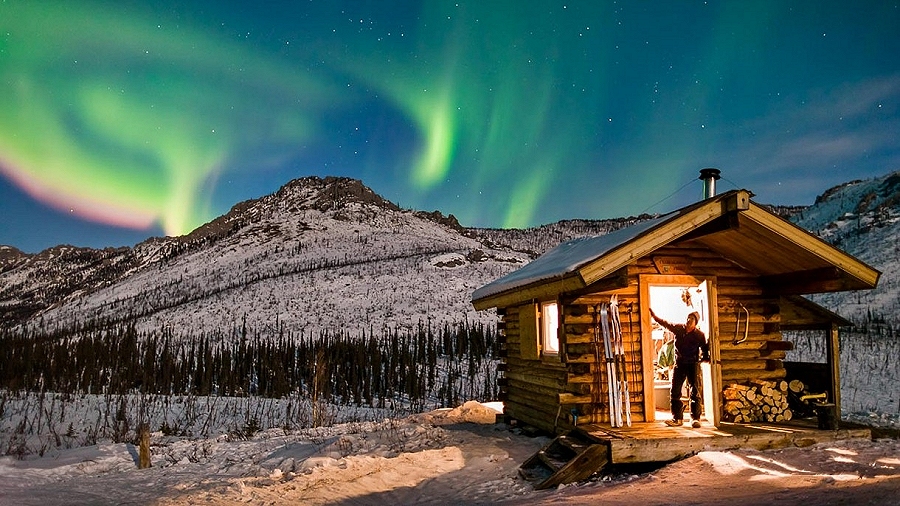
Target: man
690,349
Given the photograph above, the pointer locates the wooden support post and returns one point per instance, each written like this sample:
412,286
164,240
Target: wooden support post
833,357
144,453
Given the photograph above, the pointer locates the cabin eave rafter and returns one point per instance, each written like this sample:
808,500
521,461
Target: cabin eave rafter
668,232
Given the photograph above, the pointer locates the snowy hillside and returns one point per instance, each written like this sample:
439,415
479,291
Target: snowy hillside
318,254
536,241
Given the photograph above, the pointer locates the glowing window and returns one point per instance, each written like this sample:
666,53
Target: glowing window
549,328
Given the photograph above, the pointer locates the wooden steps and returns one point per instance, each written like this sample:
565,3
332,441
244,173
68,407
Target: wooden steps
573,456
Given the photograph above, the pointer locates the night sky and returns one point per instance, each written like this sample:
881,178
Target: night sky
120,120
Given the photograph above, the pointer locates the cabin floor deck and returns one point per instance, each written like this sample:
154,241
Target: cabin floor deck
657,442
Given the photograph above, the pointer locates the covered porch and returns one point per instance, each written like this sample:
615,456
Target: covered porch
657,442
591,448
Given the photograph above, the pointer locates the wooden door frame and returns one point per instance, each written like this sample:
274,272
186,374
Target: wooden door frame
644,282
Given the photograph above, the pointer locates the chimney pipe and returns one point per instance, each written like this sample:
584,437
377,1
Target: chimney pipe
709,177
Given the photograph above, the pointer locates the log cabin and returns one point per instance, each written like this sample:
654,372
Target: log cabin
743,268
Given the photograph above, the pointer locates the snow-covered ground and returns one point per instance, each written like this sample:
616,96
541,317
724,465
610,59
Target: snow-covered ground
448,456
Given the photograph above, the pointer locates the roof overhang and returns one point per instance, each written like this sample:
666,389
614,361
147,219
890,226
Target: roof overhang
537,290
799,313
788,259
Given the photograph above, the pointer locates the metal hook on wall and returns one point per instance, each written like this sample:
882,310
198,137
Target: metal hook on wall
737,326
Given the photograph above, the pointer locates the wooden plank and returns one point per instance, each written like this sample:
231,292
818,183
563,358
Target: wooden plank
570,398
714,351
632,451
582,319
538,367
740,375
734,355
524,413
578,331
748,345
540,290
630,335
528,332
535,395
717,265
730,316
600,293
535,385
581,378
579,358
588,462
736,290
654,442
531,405
833,357
632,349
756,365
646,329
585,349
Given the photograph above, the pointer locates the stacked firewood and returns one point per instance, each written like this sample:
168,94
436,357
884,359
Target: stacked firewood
757,401
803,401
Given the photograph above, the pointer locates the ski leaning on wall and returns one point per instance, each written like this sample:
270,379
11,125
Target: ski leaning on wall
624,399
610,328
617,382
615,412
597,393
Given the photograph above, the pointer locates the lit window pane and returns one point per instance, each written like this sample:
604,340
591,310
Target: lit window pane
549,327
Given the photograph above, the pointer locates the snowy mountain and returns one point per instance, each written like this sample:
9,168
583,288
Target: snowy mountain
327,254
318,254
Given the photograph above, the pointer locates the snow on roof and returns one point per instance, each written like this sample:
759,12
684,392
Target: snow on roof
566,258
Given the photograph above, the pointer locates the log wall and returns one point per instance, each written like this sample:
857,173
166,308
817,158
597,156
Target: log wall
761,355
587,378
542,392
530,387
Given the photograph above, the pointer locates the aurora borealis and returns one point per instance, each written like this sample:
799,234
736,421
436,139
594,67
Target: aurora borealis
121,120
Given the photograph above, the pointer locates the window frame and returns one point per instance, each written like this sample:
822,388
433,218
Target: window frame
548,338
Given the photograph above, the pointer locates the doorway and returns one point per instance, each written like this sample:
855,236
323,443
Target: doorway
673,298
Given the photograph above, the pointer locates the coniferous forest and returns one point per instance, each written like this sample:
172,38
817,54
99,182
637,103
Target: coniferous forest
422,367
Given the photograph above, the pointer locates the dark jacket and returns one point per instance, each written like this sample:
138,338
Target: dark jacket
690,347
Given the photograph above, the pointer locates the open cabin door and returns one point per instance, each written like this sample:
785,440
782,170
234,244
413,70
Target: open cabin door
709,397
673,298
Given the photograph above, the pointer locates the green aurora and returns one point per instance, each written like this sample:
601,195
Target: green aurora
126,123
506,114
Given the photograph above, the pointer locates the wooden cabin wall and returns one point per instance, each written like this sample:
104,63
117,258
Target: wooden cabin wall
587,390
530,387
758,357
542,392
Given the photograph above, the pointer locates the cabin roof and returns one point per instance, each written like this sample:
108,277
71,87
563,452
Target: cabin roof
799,313
788,259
